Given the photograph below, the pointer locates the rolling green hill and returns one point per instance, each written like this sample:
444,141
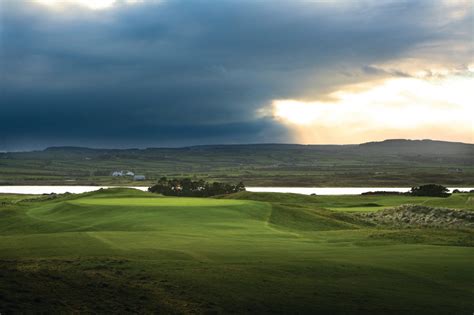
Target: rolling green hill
123,250
352,203
376,164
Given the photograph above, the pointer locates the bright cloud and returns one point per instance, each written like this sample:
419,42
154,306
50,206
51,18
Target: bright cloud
413,107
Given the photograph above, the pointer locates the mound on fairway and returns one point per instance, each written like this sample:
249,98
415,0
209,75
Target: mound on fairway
128,251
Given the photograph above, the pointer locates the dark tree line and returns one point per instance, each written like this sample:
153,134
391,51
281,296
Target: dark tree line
193,188
430,190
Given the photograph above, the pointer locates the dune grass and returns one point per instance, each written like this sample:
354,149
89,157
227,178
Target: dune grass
122,250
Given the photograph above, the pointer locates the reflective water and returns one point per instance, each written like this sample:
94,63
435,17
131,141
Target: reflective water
334,190
296,190
34,190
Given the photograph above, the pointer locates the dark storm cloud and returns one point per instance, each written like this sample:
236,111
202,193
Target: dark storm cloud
187,72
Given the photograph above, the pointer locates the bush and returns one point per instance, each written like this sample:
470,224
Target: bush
430,190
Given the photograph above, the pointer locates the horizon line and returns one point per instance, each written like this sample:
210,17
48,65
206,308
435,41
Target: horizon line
229,144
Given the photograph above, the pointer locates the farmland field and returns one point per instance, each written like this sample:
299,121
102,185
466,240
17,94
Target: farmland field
392,163
124,250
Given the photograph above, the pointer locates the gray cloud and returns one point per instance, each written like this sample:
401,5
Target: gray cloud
190,72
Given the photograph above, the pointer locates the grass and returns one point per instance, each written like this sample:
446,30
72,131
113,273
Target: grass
352,203
256,165
122,251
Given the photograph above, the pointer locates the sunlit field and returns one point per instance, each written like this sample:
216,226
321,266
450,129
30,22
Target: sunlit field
123,250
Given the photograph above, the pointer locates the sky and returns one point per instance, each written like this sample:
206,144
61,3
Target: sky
131,73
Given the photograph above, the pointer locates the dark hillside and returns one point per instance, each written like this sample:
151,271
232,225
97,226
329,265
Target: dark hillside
418,147
386,163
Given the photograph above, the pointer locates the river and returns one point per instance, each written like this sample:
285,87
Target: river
34,190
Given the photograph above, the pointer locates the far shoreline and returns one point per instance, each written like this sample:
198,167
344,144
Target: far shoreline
328,191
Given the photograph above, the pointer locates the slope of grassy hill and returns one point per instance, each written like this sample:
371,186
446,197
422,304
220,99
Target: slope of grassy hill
122,251
353,203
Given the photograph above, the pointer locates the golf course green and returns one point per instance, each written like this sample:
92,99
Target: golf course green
128,251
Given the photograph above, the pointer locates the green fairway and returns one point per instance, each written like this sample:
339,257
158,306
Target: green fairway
122,250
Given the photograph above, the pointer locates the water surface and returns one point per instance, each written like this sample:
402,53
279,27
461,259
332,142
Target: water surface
334,190
297,190
36,190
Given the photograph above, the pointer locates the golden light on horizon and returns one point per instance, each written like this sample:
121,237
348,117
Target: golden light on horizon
402,107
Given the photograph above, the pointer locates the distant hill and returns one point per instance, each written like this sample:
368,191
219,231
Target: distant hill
423,147
390,146
387,163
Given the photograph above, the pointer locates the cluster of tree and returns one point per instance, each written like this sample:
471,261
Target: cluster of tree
430,190
193,188
457,191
